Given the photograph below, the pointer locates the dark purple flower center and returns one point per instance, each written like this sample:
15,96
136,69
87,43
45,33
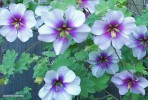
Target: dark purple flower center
58,85
142,41
104,60
129,82
64,30
17,21
113,29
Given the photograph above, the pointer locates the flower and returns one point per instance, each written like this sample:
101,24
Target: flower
113,28
89,4
104,61
139,42
125,80
60,85
59,26
38,11
17,23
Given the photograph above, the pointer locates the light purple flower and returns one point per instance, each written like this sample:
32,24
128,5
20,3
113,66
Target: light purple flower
125,81
59,26
60,85
89,4
17,23
104,61
113,29
139,42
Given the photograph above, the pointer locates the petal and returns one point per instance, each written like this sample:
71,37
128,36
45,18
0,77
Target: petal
17,8
43,94
90,5
9,33
124,74
50,76
139,53
137,90
115,16
142,29
25,34
63,96
60,45
117,80
5,17
117,43
76,81
74,18
97,71
41,9
93,55
47,37
30,20
143,82
98,28
122,89
102,42
112,69
53,18
80,34
129,25
73,89
62,71
69,76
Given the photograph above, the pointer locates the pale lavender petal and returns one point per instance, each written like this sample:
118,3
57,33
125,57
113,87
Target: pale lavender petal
112,69
25,34
9,33
41,9
129,25
116,80
102,42
137,90
139,53
80,34
142,82
47,37
64,95
54,18
73,89
115,16
50,76
43,94
60,45
29,18
76,81
5,17
17,8
97,71
124,74
117,43
99,27
141,29
69,76
74,18
122,89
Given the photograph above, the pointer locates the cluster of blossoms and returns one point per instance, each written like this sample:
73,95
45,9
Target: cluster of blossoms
59,27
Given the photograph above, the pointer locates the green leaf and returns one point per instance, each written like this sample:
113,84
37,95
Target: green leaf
100,83
49,53
87,86
23,63
81,56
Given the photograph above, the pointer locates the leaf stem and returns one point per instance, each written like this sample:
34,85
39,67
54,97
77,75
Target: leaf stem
32,46
111,95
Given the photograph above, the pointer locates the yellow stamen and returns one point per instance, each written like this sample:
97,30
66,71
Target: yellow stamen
129,85
79,1
113,34
17,26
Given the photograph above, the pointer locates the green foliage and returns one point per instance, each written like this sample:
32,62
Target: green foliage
142,19
1,39
25,94
130,96
10,66
63,4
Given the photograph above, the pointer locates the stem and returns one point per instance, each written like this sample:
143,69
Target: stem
32,46
124,66
111,95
